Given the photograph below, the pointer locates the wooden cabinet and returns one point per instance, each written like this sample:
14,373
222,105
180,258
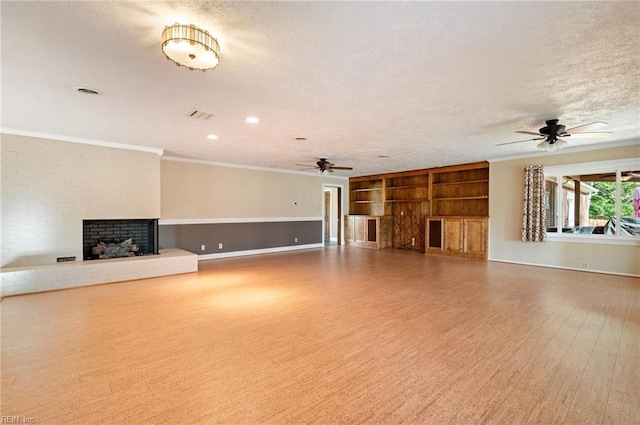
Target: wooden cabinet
368,231
457,236
409,197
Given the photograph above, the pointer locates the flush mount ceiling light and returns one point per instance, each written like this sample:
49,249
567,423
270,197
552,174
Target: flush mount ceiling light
191,47
212,137
252,120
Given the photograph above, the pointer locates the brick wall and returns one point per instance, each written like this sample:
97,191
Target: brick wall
50,187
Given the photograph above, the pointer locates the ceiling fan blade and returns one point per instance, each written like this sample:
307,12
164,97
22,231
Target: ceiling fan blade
534,133
585,127
520,141
340,168
589,134
307,165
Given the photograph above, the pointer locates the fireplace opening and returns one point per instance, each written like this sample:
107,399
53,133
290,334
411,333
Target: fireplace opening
120,237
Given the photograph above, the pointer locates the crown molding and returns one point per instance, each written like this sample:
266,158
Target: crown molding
247,167
59,138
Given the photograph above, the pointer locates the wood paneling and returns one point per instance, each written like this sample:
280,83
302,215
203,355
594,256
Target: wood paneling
332,336
408,225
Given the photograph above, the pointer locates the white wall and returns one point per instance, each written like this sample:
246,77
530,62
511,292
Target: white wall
193,190
49,187
333,212
506,184
335,220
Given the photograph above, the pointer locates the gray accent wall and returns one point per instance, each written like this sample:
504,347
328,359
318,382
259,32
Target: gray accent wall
239,236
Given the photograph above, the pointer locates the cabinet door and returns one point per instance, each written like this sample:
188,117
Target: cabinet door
475,236
349,235
434,234
372,230
360,229
454,235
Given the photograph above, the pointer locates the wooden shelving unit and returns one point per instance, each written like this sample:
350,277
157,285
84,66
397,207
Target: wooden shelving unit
366,197
461,192
410,197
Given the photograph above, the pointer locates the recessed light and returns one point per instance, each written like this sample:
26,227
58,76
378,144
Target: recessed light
252,120
212,137
383,156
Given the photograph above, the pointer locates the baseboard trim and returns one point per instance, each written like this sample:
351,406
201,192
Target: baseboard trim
522,263
258,251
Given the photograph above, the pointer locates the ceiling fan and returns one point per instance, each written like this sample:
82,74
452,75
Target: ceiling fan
324,165
552,134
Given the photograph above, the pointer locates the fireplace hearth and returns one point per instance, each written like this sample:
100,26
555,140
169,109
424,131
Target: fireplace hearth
142,232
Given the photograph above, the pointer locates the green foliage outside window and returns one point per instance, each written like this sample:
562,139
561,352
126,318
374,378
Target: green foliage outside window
603,203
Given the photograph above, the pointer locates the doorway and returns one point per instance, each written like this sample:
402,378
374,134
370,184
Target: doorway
332,215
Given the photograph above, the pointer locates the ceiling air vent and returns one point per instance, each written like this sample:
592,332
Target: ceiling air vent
198,114
87,90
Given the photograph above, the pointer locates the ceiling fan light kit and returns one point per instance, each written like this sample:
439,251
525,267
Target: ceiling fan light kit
552,146
191,47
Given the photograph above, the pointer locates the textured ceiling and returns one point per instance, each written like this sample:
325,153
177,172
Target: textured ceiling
424,83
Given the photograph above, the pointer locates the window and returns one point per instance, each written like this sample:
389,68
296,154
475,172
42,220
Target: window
598,200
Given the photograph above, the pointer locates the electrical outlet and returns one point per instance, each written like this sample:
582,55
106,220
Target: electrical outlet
220,245
413,241
295,240
202,247
584,265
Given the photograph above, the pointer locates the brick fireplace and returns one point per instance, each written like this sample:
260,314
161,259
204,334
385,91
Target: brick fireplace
144,233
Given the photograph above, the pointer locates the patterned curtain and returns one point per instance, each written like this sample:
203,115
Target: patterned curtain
533,216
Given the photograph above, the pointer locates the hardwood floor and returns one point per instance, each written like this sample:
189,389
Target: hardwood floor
339,335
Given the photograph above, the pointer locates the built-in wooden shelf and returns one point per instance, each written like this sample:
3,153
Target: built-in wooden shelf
404,200
409,197
461,182
403,187
453,198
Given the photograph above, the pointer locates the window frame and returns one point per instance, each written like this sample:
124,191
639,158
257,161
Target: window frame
560,171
